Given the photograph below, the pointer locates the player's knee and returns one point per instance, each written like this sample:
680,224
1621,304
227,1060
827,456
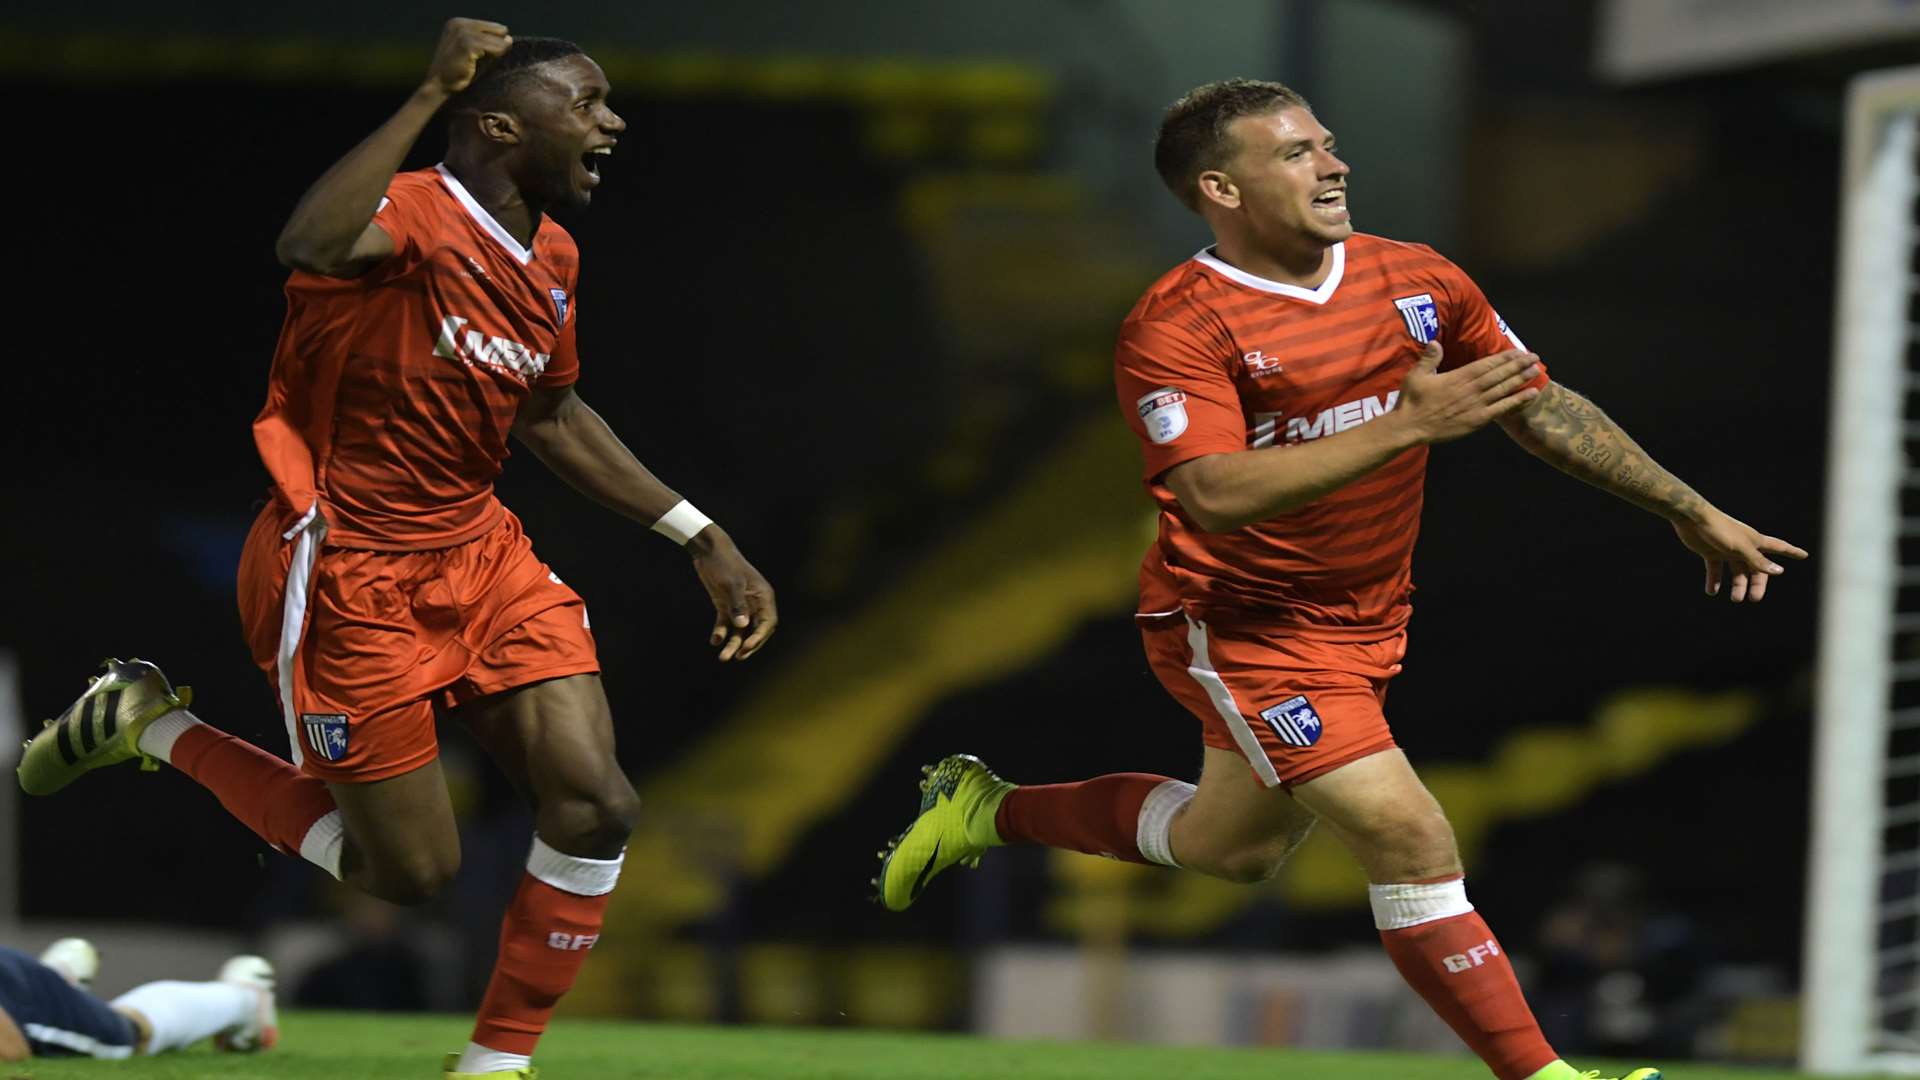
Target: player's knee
414,881
1251,866
1414,847
1241,863
600,822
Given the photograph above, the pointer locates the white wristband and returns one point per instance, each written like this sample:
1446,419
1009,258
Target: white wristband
682,523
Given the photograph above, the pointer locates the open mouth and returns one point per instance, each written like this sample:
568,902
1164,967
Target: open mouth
1331,205
590,161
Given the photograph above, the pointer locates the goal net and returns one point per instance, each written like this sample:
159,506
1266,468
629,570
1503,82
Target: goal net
1861,978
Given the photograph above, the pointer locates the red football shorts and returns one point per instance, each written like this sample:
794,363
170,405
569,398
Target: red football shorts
1295,709
365,648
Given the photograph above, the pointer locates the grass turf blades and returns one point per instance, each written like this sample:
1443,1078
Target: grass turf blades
358,1046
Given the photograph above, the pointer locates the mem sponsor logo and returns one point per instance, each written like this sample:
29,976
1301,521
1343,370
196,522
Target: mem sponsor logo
1272,427
571,942
472,347
1472,958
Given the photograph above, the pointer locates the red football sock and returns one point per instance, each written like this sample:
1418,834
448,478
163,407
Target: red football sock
267,794
1455,963
1100,816
553,921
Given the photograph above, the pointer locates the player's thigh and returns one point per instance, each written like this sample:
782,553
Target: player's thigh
554,740
1379,808
1236,825
400,832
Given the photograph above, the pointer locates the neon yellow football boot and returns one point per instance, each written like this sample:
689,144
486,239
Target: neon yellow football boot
447,1073
1560,1070
958,799
102,728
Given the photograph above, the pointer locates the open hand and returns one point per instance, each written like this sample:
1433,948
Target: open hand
743,608
1725,543
464,45
1443,405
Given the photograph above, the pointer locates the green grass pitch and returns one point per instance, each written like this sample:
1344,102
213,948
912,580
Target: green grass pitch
363,1046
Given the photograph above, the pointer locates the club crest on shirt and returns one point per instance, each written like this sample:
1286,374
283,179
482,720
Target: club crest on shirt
326,734
1164,412
1422,317
559,304
1294,721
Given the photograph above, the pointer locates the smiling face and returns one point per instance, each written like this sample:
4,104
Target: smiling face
564,130
1282,185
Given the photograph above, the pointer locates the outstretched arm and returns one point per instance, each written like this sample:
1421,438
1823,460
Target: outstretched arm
1572,434
331,231
573,441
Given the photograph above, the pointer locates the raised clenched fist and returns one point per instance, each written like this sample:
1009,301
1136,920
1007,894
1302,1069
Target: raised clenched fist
463,45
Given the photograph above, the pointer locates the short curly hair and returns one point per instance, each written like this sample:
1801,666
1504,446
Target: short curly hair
1193,132
498,80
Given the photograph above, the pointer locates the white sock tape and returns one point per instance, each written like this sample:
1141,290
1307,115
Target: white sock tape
576,874
1156,820
1398,907
682,523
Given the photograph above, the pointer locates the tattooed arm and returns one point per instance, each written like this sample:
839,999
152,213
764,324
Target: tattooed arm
1573,435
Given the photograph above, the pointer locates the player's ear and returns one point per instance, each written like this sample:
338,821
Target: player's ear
500,127
1218,188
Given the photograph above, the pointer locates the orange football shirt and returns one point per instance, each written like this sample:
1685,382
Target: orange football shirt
392,394
1216,360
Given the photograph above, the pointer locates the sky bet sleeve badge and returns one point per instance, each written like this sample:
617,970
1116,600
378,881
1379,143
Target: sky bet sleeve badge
1164,411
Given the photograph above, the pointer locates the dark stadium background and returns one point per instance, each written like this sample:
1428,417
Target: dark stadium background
759,320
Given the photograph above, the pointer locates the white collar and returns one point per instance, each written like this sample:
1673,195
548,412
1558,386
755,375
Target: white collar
479,214
1321,295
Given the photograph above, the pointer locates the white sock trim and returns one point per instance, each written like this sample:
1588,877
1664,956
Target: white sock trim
1156,820
183,1013
478,1059
1397,907
160,735
321,846
571,873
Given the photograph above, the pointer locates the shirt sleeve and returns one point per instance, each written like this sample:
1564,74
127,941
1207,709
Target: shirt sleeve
1471,328
405,215
563,367
1177,395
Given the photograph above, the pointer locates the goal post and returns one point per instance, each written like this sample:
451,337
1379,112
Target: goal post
1861,971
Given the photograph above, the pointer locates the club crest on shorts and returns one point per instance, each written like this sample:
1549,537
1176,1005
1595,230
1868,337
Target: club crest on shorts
326,734
1164,411
1422,317
559,304
1294,721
